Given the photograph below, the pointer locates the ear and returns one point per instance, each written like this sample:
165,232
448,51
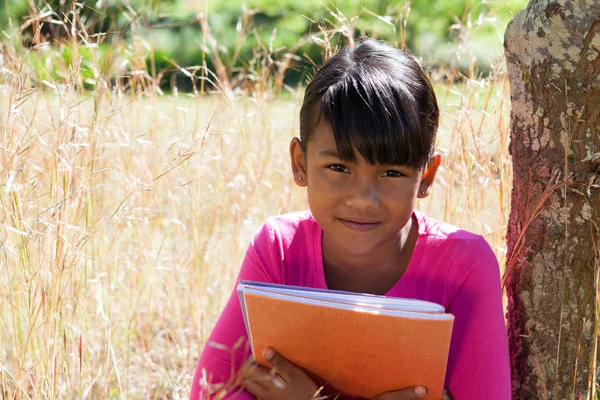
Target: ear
298,159
429,176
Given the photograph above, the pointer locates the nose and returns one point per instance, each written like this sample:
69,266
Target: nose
363,196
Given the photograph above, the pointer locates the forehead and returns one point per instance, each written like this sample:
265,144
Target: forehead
322,144
321,138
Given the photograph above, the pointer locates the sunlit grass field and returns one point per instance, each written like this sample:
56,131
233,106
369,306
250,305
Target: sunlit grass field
124,216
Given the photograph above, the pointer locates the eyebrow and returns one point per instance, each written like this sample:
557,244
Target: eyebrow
330,153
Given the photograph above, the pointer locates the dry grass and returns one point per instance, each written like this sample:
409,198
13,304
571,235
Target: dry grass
125,213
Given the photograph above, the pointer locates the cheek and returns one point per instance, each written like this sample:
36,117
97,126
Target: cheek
322,193
328,182
400,191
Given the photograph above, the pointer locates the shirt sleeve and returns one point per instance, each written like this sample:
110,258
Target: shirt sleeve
227,347
478,363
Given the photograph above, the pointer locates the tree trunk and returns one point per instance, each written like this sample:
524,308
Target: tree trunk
553,57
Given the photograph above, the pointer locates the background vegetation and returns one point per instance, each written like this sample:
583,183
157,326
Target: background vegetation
182,32
143,143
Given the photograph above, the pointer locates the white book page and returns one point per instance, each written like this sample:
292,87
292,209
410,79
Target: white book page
240,292
355,299
347,306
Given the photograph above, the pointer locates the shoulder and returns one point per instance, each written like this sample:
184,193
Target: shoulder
449,237
283,248
464,261
460,255
283,229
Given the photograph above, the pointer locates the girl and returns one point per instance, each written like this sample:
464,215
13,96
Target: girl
365,154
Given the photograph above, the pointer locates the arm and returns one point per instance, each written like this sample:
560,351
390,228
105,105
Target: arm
478,364
227,347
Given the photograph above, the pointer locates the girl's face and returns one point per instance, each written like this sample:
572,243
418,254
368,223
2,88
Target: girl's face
360,207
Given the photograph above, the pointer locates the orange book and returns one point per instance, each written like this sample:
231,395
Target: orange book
357,344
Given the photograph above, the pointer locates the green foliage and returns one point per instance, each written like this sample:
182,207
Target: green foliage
95,15
59,64
433,30
425,17
12,12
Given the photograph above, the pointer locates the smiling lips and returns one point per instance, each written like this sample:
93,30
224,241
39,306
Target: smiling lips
360,225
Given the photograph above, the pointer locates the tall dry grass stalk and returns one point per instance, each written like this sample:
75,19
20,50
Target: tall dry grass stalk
125,211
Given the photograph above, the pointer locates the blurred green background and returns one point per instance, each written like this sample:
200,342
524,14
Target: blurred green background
170,31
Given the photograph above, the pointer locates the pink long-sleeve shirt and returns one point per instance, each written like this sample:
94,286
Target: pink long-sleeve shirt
449,266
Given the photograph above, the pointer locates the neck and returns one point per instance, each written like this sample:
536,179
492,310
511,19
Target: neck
391,257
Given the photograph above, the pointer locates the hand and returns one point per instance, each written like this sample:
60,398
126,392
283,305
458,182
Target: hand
282,381
410,393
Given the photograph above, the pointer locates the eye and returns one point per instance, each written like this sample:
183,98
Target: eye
338,168
393,174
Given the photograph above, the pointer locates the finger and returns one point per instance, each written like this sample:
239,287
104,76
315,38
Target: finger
260,378
277,379
410,393
447,395
247,366
257,374
255,388
282,366
250,368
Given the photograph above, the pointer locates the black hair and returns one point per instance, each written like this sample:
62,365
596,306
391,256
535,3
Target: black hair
377,100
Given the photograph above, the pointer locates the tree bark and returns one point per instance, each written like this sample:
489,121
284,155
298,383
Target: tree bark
551,281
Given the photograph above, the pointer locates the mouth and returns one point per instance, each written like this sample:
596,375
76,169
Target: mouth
360,225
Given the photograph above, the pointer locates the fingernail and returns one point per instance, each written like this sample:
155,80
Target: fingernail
268,353
420,391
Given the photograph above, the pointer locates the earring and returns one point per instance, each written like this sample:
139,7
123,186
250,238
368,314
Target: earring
300,177
422,192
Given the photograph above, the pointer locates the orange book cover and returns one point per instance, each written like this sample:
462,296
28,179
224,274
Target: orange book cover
359,351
